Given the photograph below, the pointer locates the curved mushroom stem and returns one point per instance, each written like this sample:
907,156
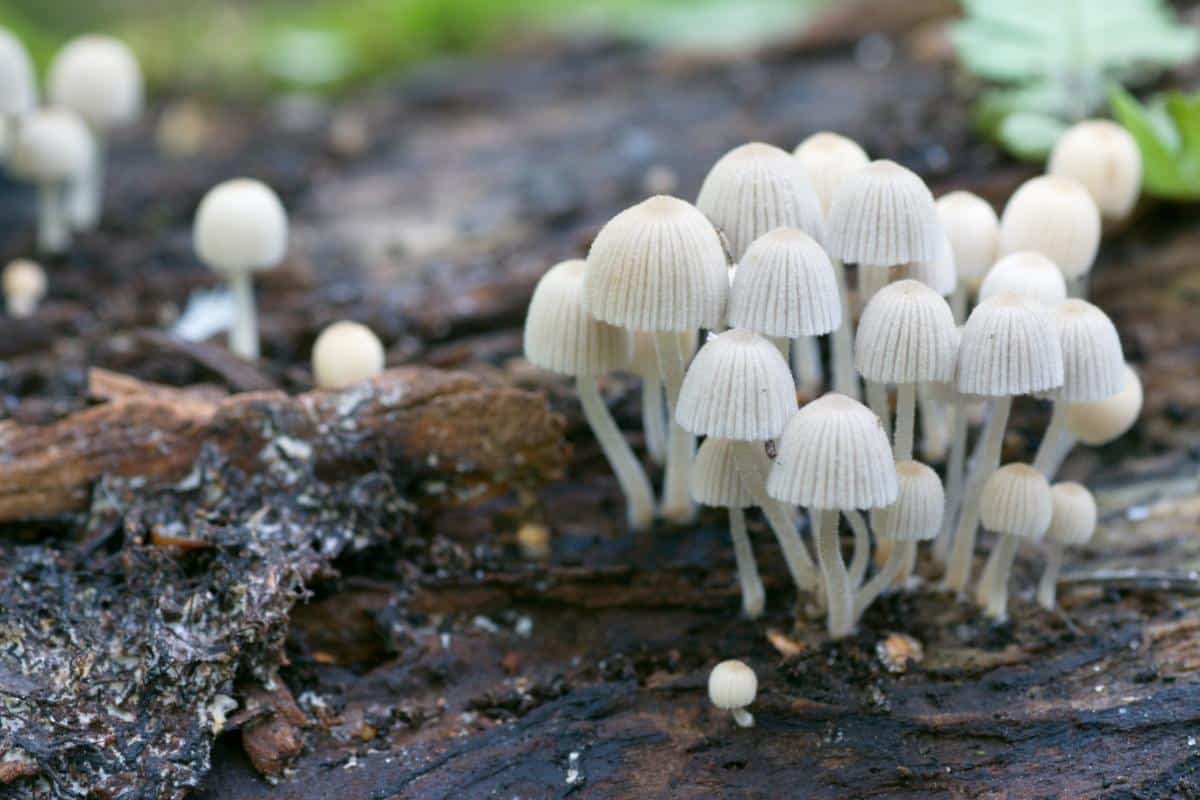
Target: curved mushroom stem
54,232
839,598
742,717
806,364
906,419
845,379
639,496
883,579
654,419
992,594
955,468
753,594
988,461
877,399
85,197
243,337
1050,452
676,502
935,435
1048,585
862,547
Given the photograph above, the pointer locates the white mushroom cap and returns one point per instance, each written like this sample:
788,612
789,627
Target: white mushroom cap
1027,273
974,231
1093,365
98,77
828,159
756,188
1102,156
561,337
18,86
883,216
658,266
344,354
737,387
1074,517
732,685
715,480
916,516
785,286
53,145
24,283
834,454
1055,216
1009,347
940,274
1016,500
1100,422
906,335
240,226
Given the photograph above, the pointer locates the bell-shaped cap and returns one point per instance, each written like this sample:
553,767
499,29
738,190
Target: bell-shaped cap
906,335
98,77
714,479
346,353
1102,156
756,188
1009,347
883,216
1074,518
53,146
974,231
18,86
1100,422
939,274
1027,273
737,387
785,286
828,159
916,516
1016,500
1093,365
658,266
561,337
1055,216
834,454
240,226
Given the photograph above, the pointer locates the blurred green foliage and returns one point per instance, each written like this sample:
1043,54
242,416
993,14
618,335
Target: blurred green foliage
1167,131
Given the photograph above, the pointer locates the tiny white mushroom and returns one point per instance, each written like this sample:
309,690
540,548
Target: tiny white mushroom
732,686
24,284
1073,522
346,353
1104,157
55,150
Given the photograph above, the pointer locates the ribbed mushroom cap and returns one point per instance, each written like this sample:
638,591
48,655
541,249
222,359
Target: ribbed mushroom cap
1009,347
561,337
940,274
645,357
1074,518
658,266
828,159
1102,421
732,684
974,231
1102,156
906,335
1027,273
715,480
1055,216
53,145
18,86
785,286
916,516
1093,365
98,77
883,216
1016,500
755,189
737,387
346,353
834,454
240,225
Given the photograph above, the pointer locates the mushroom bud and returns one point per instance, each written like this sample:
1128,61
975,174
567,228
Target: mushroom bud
241,228
24,283
1055,216
732,687
1017,504
1102,156
55,150
18,87
1092,423
344,354
1073,522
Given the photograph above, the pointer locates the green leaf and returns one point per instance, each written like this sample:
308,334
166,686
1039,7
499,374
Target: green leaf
1030,136
1170,167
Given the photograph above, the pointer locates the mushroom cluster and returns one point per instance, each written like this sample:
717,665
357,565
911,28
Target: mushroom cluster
957,312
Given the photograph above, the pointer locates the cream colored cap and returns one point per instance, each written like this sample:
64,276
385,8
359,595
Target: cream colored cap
974,231
240,226
1027,273
658,266
785,286
906,335
561,337
99,78
18,85
883,216
1016,500
1102,421
24,286
834,454
344,354
828,159
53,146
1055,216
940,274
1074,517
916,516
1093,364
1102,156
737,387
715,480
1009,347
731,685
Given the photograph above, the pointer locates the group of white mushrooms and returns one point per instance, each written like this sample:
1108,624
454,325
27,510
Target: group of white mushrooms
958,312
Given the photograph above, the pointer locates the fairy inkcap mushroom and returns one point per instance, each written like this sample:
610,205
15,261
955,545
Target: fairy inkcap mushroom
18,86
756,188
344,354
1026,273
1102,156
24,284
974,231
241,228
561,337
828,159
1072,523
1055,216
732,687
1092,423
53,149
883,216
1017,504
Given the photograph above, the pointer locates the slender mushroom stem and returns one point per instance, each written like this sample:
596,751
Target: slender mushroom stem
654,418
753,595
935,430
877,399
243,337
906,417
883,579
907,568
1048,585
955,472
639,496
958,303
783,525
845,378
806,363
839,598
870,281
742,717
676,502
992,594
987,461
85,197
1050,453
862,547
54,232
